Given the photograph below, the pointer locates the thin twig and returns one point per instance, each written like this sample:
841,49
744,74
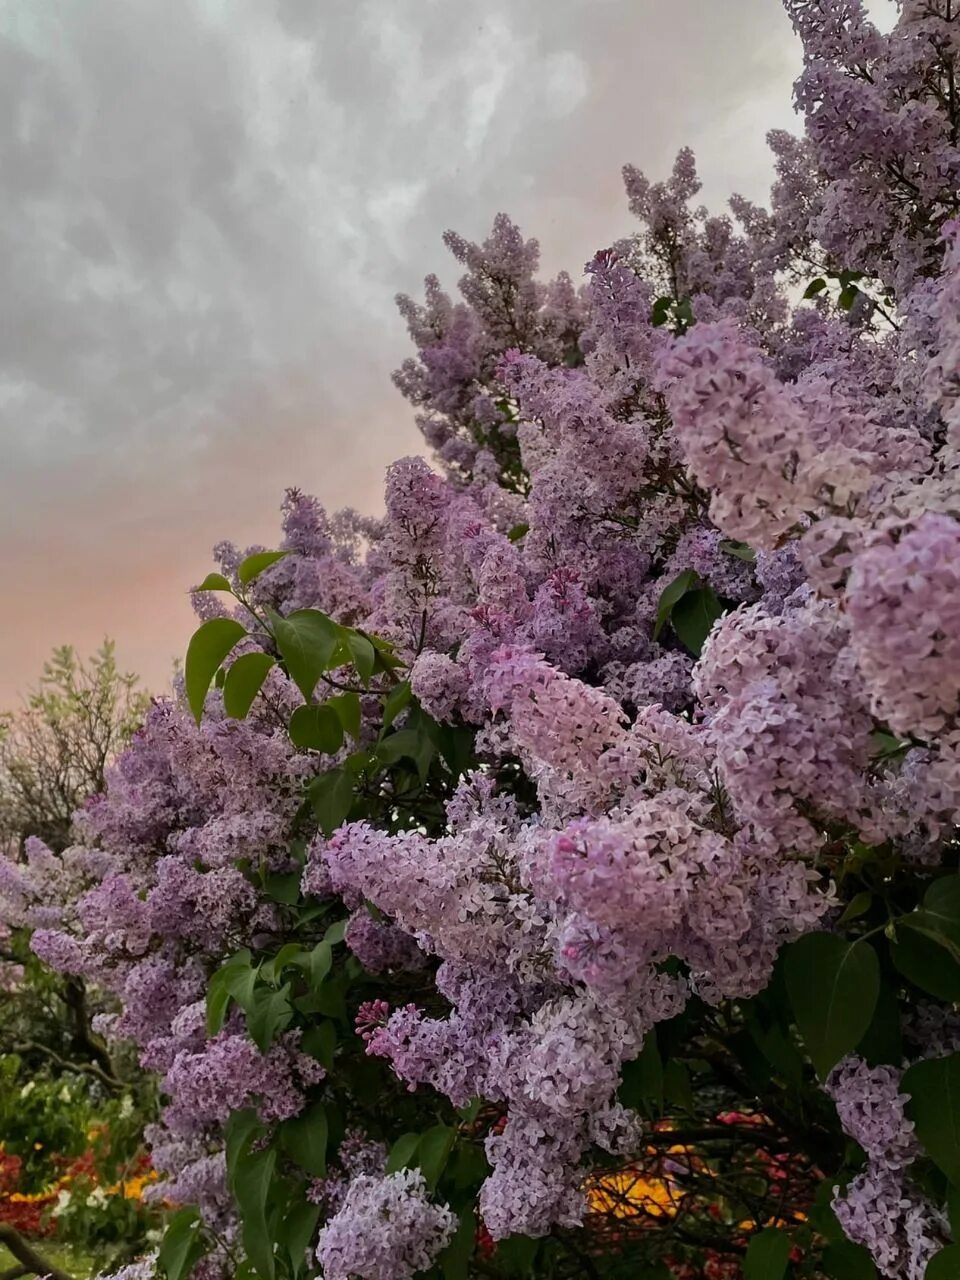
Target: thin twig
84,1068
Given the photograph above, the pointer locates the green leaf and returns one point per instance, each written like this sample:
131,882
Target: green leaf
684,313
348,712
297,1232
416,743
848,295
253,1174
941,908
396,701
182,1245
820,1213
235,980
845,1260
740,551
239,1131
518,532
778,1047
676,1085
934,1089
433,1152
283,886
332,798
317,963
316,728
882,1042
270,1013
660,312
642,1082
923,923
469,1112
254,565
928,965
454,1261
307,641
304,1138
767,1255
468,1167
208,647
858,906
669,596
404,742
320,1042
386,658
362,653
218,1001
403,1152
271,970
884,746
944,1265
833,986
214,582
516,1255
693,616
815,287
244,681
335,932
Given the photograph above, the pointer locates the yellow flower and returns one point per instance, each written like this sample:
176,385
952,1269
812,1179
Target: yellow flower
132,1189
630,1194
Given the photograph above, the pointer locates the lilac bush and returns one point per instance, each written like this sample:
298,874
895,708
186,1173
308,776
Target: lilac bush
606,787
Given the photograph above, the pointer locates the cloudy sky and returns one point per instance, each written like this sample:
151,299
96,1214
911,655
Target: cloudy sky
207,207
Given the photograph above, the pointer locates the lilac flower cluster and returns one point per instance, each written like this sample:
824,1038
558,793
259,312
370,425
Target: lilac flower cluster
649,820
384,1229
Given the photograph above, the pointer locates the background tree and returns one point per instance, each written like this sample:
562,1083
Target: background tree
71,1114
55,748
54,752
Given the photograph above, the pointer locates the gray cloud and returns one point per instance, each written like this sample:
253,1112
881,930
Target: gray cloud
208,206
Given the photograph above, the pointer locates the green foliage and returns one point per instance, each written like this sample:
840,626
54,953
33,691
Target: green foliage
693,617
844,1260
304,1138
945,1265
767,1255
244,681
690,607
215,582
670,595
317,728
934,1089
182,1245
309,643
833,987
331,796
251,568
55,748
209,646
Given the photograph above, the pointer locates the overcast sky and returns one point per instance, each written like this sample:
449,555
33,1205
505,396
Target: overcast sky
207,207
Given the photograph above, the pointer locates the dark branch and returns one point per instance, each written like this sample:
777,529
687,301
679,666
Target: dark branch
85,1068
31,1262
